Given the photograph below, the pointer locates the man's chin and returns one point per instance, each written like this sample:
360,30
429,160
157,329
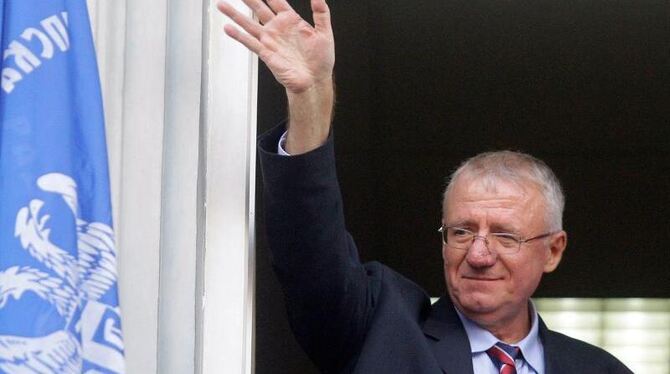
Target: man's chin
476,304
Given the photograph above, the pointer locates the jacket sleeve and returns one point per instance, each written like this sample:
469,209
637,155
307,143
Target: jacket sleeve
330,295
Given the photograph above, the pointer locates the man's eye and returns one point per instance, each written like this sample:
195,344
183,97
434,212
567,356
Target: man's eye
507,240
459,232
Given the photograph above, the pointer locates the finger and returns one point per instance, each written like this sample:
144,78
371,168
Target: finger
261,10
279,5
249,25
321,15
245,39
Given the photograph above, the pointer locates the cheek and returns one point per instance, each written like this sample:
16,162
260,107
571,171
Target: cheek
526,276
526,287
452,261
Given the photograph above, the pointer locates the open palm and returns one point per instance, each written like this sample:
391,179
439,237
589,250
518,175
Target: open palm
298,54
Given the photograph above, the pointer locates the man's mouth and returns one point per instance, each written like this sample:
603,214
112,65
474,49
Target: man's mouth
481,278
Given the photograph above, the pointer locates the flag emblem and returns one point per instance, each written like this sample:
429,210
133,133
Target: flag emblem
59,310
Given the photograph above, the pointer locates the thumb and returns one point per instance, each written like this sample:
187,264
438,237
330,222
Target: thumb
321,15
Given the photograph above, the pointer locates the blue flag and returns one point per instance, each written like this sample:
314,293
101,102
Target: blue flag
59,310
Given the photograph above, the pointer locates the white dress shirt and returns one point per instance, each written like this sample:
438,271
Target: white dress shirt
481,340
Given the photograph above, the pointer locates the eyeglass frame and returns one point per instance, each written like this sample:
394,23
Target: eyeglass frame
442,232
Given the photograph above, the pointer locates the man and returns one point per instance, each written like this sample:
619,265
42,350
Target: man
501,230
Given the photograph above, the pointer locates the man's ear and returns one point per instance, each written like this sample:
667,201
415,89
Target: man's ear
557,245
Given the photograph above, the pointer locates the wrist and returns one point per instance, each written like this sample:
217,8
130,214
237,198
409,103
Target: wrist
310,115
318,93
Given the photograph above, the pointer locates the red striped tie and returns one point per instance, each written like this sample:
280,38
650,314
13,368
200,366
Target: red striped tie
503,356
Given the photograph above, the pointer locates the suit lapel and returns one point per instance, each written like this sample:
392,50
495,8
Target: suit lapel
451,346
552,353
448,339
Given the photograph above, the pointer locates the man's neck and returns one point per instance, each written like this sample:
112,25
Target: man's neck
508,330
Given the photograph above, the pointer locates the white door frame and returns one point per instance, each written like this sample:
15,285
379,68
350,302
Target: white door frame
180,103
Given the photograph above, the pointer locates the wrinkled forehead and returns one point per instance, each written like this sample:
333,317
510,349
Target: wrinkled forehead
470,186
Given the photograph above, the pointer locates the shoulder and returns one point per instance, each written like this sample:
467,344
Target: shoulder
577,356
396,291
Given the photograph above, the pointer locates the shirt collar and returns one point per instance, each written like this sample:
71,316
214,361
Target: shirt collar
531,346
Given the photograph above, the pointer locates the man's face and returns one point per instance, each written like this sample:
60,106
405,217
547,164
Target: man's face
489,288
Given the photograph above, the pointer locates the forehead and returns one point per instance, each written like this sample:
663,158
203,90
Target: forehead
494,198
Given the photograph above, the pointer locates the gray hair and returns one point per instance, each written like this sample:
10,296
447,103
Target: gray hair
492,167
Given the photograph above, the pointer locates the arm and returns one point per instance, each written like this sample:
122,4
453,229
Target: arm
300,56
329,294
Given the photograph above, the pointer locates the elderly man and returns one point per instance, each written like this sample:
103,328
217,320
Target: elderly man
501,230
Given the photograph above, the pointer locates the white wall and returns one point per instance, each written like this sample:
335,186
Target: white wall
180,112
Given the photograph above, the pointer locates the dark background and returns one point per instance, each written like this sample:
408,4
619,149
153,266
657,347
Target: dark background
422,85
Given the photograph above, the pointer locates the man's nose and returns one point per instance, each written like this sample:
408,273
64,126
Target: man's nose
479,255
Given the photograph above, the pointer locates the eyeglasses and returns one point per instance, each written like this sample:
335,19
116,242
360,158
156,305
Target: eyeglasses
501,242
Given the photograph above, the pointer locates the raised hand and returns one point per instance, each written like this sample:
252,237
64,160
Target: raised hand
299,55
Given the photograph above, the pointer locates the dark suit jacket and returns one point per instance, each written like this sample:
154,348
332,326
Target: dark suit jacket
366,318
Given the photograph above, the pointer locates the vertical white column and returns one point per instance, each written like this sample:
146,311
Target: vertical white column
181,201
228,279
139,225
